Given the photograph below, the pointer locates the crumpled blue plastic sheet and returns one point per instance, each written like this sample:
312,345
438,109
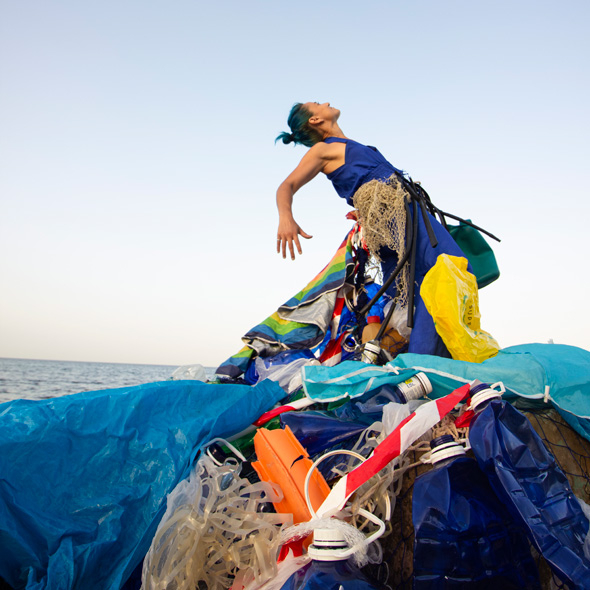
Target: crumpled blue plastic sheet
463,535
531,485
556,373
84,478
349,379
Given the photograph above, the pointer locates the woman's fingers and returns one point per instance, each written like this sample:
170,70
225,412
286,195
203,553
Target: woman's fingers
287,243
291,243
296,240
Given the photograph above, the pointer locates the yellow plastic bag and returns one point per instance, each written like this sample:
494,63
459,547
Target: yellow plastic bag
450,294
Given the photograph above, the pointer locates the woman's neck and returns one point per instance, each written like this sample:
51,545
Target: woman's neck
332,130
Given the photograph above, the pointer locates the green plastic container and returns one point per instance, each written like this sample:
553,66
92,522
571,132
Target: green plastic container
478,253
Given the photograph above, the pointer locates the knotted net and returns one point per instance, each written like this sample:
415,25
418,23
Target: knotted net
382,214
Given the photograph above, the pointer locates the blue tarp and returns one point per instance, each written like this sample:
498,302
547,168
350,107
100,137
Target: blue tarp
84,478
349,379
555,373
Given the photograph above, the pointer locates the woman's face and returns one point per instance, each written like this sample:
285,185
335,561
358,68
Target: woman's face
323,110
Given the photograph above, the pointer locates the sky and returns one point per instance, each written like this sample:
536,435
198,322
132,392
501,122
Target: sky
138,168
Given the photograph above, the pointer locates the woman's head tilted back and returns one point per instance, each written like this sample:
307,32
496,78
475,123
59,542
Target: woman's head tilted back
301,130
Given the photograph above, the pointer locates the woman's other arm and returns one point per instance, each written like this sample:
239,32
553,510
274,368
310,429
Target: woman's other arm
289,230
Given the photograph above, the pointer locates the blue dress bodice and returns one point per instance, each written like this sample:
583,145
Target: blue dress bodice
361,164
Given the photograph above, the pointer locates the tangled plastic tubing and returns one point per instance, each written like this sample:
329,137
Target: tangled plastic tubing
212,528
357,542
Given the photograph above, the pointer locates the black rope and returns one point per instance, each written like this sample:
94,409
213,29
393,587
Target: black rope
466,222
421,198
412,278
386,321
417,191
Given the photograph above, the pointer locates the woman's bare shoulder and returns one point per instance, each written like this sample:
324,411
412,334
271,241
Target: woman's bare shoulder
323,157
327,152
323,149
332,155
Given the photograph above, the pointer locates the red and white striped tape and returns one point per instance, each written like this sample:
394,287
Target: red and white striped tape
298,404
410,429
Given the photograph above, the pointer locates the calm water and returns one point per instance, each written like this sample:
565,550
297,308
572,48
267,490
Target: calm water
32,379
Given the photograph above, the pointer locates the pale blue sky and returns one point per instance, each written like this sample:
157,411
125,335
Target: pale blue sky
139,170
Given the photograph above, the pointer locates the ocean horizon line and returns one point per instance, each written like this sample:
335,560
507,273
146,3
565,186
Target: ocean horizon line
14,358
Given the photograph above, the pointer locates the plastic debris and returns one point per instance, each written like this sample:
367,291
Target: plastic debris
463,536
285,368
529,482
212,528
331,566
283,461
318,431
196,372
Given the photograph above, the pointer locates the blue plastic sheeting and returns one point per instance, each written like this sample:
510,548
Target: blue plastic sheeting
349,379
556,373
530,484
84,478
463,535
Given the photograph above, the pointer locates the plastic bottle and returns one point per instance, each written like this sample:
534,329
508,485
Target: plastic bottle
372,354
528,481
414,388
369,408
331,567
464,538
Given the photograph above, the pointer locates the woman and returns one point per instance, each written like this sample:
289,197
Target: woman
368,182
315,126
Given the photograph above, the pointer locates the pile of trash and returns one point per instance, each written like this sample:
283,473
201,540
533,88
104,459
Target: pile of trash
377,476
314,492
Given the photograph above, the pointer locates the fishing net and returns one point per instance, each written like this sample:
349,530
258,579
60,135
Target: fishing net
382,214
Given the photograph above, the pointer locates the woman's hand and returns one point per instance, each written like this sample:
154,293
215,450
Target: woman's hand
288,237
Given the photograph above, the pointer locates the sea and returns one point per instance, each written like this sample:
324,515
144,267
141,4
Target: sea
41,379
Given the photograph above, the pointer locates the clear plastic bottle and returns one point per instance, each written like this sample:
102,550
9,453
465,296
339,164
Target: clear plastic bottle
369,407
464,538
331,567
528,481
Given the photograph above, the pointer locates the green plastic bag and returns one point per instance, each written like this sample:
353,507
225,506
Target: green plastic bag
478,252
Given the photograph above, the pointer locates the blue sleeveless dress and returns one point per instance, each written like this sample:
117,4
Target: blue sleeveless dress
363,163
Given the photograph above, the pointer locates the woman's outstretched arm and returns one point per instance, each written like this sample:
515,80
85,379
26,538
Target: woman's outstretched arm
289,230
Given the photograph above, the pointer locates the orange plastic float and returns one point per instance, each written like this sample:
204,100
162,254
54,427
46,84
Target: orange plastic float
282,460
